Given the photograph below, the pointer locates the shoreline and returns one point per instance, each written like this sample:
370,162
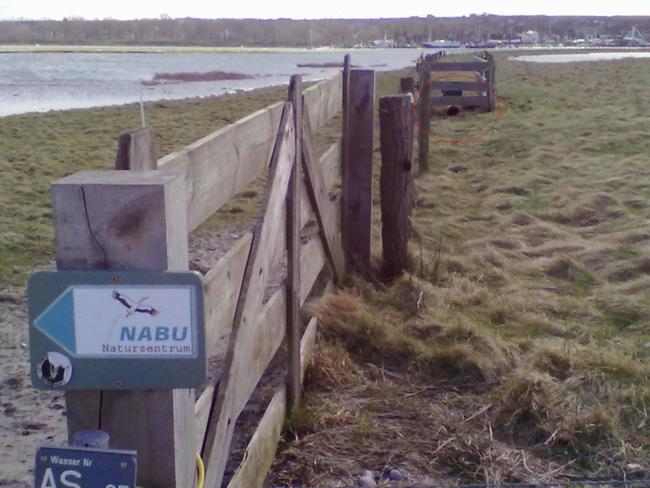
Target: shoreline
514,53
197,98
177,49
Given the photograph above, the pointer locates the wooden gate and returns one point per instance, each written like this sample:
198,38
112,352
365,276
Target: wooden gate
140,219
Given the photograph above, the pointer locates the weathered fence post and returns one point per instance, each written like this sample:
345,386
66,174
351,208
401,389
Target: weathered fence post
136,150
356,217
492,83
135,220
396,181
424,116
293,252
407,85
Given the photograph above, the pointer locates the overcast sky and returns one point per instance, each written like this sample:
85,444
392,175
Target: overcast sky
128,9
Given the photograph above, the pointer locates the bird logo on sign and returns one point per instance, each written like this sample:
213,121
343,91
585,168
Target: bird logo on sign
135,306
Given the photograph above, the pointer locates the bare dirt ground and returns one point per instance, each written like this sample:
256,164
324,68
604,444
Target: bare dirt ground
28,417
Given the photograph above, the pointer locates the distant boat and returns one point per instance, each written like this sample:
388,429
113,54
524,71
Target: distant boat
384,43
441,44
635,39
482,45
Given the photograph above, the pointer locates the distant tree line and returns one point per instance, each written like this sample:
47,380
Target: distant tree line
303,33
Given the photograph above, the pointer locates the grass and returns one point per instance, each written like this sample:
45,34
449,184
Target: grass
514,349
36,150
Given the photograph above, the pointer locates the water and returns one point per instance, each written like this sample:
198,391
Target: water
37,82
581,57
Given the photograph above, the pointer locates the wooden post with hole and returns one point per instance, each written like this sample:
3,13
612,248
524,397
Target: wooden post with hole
356,216
407,85
136,150
130,220
293,252
396,181
424,117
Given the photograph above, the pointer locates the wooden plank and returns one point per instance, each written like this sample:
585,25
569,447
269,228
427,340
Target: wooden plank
270,322
458,66
202,408
330,164
396,181
262,447
238,379
307,345
136,150
424,120
330,231
223,281
130,220
323,101
475,86
356,225
346,140
220,165
345,99
472,101
221,286
491,76
293,251
268,334
312,260
260,265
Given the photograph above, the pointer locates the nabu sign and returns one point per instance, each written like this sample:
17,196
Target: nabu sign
103,330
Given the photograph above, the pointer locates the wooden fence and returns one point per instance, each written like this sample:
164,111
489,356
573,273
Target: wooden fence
140,219
477,77
453,80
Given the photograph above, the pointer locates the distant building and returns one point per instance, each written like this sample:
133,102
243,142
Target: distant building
529,37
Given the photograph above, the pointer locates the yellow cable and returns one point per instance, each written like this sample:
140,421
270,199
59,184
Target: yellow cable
200,468
201,471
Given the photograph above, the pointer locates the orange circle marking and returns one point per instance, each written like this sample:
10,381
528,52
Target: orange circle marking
500,108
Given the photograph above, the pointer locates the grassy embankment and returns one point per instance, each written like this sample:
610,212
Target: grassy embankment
35,150
516,349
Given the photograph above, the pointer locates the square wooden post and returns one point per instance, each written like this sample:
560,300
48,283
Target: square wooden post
136,150
492,84
130,220
356,217
407,85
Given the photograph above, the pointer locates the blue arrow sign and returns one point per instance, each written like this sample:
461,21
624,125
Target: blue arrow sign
57,321
126,330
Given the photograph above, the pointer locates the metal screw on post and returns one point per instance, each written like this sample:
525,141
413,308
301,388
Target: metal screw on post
91,438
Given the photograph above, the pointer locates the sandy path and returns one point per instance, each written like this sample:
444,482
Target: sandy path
29,417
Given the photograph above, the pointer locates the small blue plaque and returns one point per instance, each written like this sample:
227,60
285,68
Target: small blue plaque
84,467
